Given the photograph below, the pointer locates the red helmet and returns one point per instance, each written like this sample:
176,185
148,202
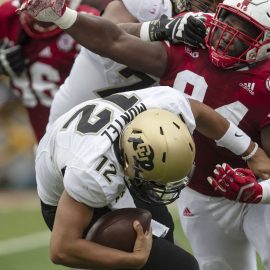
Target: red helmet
36,29
253,35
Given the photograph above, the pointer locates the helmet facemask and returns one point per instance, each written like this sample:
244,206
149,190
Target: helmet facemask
158,153
223,39
36,29
155,193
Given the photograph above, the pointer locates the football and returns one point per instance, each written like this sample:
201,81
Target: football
115,229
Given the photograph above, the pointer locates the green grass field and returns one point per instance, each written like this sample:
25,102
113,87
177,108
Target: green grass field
24,237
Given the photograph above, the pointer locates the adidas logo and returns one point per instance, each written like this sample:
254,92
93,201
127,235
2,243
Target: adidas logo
187,213
249,87
46,52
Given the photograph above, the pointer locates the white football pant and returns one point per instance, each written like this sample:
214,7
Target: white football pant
223,234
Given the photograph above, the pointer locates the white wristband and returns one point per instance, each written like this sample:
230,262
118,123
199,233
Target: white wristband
253,152
144,32
266,191
235,139
68,19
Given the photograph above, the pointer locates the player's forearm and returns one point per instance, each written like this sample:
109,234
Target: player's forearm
208,122
226,134
67,246
85,254
94,33
107,39
213,125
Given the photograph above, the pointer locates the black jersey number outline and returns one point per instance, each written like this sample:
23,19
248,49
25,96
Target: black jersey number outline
145,82
85,127
104,117
107,172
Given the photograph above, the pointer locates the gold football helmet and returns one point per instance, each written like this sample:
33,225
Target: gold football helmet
158,154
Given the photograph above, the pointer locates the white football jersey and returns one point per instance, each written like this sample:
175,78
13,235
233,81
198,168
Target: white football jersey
148,10
93,76
77,151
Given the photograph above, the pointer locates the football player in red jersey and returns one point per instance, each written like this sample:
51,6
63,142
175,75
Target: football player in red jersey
223,234
37,57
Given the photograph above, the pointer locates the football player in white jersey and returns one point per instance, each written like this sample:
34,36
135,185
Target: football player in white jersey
142,139
94,76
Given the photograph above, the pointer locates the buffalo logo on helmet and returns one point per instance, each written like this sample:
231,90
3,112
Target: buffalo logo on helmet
144,154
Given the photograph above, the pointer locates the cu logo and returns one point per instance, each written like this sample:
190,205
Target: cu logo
143,152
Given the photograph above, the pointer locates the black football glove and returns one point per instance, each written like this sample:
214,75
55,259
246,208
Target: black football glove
188,29
12,62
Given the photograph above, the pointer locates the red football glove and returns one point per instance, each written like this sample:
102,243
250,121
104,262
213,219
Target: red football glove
236,184
44,10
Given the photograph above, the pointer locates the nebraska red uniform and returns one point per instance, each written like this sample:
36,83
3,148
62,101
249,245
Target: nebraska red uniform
241,96
48,64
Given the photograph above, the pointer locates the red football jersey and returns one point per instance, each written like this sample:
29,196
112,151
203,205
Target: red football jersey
48,64
242,96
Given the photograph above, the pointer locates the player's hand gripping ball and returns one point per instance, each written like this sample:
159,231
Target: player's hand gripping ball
115,229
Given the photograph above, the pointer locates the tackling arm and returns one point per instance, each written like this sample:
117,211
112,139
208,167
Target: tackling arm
208,122
226,134
68,248
108,40
241,184
187,29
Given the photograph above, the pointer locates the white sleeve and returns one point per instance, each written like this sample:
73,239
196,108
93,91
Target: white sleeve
86,76
91,187
148,10
83,188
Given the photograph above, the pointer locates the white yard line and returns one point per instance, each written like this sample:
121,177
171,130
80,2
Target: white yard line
24,243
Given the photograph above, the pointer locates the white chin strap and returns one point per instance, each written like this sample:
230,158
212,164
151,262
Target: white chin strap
263,52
